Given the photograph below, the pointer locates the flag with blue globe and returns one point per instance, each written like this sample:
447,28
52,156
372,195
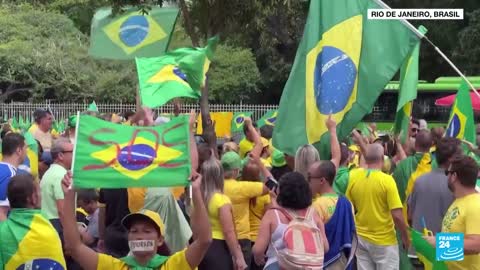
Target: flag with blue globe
131,34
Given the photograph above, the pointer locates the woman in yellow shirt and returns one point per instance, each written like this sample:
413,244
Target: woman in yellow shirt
225,245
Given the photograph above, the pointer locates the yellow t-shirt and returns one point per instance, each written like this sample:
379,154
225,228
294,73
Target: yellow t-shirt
257,210
244,147
373,195
240,193
45,138
463,216
174,262
325,205
217,201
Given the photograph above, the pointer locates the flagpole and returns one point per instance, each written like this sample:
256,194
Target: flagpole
72,168
420,35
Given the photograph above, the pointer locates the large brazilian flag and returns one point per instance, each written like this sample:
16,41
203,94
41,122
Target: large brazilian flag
131,34
29,241
342,65
109,155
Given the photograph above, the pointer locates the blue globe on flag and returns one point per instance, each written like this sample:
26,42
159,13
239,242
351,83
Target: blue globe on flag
41,264
334,80
136,157
454,127
134,30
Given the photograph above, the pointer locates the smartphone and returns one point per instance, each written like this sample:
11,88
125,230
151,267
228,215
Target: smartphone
271,183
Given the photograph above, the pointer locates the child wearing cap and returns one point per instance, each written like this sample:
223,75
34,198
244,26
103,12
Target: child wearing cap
145,235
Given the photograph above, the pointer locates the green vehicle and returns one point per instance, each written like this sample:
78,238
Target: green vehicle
424,107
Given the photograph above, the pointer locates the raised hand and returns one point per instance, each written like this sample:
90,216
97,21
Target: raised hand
330,122
67,182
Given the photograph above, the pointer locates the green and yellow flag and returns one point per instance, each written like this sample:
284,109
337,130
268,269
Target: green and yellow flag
131,34
407,92
269,118
29,241
342,65
425,252
30,164
180,73
461,123
238,121
111,155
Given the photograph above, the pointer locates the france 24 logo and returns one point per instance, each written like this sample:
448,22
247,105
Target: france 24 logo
449,247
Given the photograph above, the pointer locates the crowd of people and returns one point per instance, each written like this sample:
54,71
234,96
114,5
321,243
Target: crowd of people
249,206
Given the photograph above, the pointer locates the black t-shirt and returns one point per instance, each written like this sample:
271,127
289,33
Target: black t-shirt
116,206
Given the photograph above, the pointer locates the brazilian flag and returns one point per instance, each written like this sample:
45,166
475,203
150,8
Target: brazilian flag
269,118
342,65
29,241
109,155
238,120
180,73
407,91
461,124
30,164
425,252
131,34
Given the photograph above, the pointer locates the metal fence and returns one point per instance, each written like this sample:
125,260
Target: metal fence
64,110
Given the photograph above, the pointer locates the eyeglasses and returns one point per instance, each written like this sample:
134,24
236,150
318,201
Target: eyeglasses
414,129
448,172
310,177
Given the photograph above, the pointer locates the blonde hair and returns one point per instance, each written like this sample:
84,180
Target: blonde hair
212,175
306,155
230,147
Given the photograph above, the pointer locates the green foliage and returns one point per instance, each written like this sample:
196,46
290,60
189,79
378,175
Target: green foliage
79,11
43,56
468,49
233,76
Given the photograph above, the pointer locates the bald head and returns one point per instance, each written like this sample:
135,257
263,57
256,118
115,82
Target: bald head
374,153
423,141
324,168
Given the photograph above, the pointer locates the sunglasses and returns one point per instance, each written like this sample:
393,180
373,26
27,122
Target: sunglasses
448,172
414,129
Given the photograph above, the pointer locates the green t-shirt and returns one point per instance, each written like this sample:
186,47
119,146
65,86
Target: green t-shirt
341,180
51,188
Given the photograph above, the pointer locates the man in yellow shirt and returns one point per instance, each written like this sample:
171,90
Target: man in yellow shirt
378,208
335,211
246,144
41,131
463,216
240,193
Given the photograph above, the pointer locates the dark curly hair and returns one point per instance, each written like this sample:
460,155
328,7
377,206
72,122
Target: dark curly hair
294,191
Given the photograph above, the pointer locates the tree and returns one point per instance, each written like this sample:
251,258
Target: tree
233,76
468,49
43,56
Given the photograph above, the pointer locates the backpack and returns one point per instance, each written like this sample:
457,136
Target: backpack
303,243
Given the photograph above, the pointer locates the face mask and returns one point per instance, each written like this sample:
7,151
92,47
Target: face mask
141,245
